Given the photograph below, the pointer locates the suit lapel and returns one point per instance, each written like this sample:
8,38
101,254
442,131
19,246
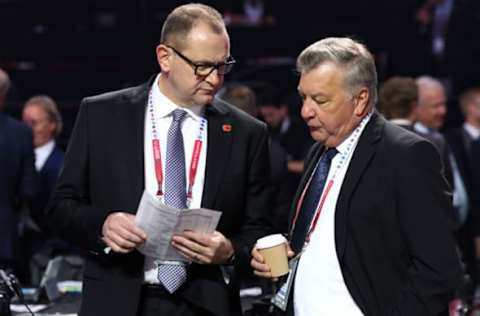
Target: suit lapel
134,139
218,151
363,154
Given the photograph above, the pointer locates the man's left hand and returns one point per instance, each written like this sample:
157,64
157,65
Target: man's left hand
204,248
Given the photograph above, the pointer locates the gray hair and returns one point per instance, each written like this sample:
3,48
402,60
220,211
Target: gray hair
425,83
180,22
4,84
353,57
47,104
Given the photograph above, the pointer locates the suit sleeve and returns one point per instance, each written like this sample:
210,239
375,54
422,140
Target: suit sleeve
423,204
257,223
70,214
27,184
475,172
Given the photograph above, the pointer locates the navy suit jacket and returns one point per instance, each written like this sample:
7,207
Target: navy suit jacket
46,179
17,179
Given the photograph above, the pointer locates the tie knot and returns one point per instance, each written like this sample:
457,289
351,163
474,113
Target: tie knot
178,115
330,153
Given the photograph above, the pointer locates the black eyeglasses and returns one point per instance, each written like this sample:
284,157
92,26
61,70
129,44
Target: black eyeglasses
204,70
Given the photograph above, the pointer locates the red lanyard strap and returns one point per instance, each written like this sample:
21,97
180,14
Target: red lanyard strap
157,153
157,159
347,152
317,211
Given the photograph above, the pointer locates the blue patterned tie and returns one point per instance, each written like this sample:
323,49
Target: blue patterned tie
311,200
173,276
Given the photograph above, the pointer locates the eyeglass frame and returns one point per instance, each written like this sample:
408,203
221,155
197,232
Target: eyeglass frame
195,66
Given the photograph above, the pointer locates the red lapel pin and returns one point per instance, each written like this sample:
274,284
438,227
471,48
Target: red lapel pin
227,128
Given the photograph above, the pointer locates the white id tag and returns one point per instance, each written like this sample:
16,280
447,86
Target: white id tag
280,299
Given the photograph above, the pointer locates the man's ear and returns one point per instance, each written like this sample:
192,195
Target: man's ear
361,102
163,58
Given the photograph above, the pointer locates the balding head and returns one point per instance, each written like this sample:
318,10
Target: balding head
426,83
432,102
183,19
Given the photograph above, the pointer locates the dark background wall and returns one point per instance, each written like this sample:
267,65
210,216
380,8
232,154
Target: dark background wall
71,49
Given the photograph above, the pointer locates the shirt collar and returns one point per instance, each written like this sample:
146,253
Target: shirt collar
401,121
47,147
471,130
164,106
285,125
42,153
419,127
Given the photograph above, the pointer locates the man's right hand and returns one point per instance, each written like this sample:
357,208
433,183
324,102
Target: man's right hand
121,233
260,268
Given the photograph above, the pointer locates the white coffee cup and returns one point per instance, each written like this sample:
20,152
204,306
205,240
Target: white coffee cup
274,250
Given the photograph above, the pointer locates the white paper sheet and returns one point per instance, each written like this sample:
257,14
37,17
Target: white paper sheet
160,222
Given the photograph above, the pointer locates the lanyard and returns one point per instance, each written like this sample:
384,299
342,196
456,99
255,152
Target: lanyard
157,157
343,158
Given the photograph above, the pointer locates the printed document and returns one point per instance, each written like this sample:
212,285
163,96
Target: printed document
160,222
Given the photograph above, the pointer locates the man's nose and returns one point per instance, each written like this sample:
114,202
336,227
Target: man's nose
306,110
214,78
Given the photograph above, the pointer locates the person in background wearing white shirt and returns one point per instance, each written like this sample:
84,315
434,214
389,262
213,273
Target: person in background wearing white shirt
374,238
41,114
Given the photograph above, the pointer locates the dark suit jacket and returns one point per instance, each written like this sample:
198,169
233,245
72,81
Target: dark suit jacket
46,179
475,171
444,150
17,179
104,172
393,243
459,142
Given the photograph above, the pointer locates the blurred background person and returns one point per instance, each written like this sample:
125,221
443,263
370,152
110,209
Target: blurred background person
292,134
434,17
474,156
41,114
430,115
244,97
398,97
17,177
240,95
460,141
249,13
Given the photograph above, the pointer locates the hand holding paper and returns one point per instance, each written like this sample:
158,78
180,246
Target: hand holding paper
160,222
206,248
121,234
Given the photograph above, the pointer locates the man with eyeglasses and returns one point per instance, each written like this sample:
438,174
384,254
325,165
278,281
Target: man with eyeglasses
166,137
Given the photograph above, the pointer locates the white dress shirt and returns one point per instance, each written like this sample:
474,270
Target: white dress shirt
319,285
472,130
190,129
42,153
